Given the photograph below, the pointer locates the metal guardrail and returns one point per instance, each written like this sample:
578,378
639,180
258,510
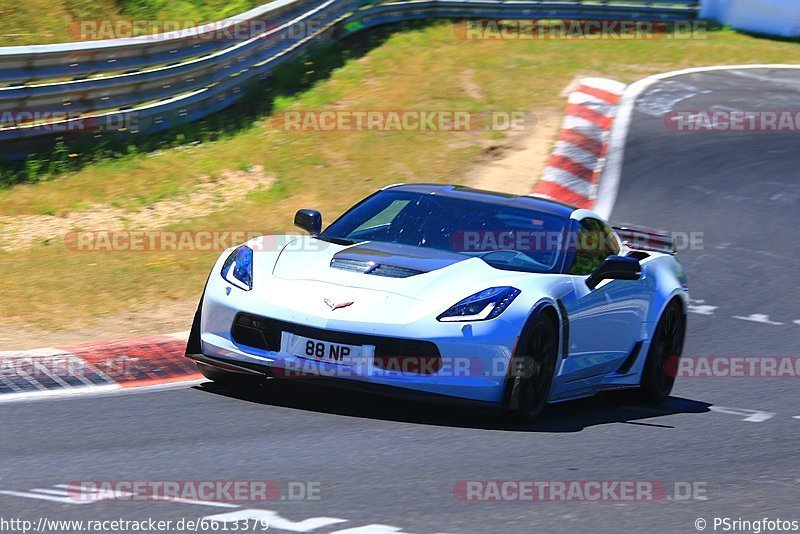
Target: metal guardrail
170,79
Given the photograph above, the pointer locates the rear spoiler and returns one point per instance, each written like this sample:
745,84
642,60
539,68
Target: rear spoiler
639,238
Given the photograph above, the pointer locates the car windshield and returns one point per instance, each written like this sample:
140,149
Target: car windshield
505,237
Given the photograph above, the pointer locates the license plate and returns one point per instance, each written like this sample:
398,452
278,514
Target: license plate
325,351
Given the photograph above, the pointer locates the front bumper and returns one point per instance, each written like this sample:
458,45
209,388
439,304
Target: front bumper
475,356
266,372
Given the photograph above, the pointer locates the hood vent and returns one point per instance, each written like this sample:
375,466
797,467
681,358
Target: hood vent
370,267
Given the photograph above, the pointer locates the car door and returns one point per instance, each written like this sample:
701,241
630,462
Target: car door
605,322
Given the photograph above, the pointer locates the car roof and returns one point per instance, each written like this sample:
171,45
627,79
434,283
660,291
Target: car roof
537,203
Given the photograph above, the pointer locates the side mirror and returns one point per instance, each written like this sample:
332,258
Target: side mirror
615,268
309,220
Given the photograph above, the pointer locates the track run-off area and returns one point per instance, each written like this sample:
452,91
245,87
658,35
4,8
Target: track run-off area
721,447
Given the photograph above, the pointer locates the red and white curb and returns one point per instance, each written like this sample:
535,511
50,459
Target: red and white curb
573,171
99,366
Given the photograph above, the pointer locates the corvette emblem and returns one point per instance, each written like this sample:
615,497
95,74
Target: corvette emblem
334,306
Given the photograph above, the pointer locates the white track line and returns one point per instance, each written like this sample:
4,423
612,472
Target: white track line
95,391
612,172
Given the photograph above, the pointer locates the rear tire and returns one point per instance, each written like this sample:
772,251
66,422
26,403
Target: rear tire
532,374
666,347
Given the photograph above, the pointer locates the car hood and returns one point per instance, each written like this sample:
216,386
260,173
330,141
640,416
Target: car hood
298,284
413,272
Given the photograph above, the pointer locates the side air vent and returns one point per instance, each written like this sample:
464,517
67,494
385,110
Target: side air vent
631,359
369,267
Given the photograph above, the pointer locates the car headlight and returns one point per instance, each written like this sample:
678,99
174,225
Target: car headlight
481,306
238,268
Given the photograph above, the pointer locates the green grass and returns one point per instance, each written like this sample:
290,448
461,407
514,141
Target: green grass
54,21
418,69
183,10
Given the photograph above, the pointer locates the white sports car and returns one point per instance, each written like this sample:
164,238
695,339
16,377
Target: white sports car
453,293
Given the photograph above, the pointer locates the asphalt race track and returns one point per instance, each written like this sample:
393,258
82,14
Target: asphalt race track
384,462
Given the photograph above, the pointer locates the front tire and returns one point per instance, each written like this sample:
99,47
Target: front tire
666,347
533,370
219,376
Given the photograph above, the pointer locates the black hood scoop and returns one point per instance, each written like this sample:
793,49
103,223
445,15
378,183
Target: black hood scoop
393,260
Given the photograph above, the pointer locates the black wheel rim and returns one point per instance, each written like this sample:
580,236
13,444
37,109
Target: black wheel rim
537,369
668,347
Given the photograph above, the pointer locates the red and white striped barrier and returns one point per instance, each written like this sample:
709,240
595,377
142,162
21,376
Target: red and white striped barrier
573,171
